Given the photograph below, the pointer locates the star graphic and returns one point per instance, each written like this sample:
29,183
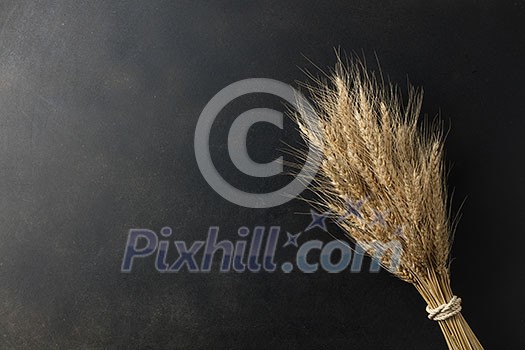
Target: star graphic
379,218
317,221
353,208
291,239
399,231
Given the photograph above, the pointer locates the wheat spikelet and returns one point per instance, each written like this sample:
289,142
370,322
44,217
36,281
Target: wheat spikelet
374,152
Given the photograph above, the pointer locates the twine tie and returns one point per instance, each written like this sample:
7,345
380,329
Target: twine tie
444,311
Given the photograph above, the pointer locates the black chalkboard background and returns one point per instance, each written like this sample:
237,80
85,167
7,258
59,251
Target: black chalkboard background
98,106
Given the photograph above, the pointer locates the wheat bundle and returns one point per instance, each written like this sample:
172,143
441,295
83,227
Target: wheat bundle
375,152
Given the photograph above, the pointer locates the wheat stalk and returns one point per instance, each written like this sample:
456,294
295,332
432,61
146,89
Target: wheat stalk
375,152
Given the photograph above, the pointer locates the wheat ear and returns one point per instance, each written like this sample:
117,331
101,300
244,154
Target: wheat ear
375,151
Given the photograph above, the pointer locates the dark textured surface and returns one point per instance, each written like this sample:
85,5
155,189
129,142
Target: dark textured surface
98,105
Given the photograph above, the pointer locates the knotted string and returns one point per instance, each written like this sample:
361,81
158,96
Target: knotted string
444,311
